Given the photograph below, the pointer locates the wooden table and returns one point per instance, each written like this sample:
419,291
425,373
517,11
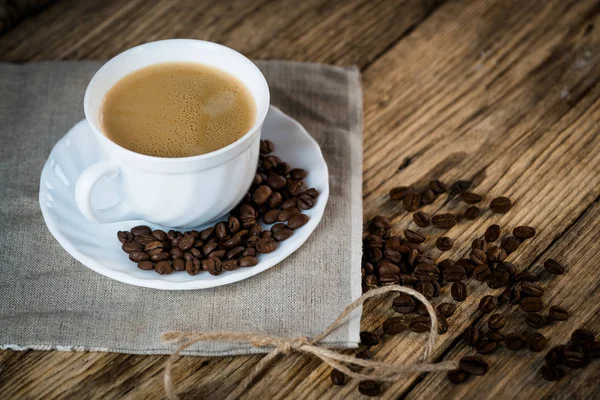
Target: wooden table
501,92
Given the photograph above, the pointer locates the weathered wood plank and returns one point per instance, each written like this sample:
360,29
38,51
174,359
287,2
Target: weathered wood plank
338,32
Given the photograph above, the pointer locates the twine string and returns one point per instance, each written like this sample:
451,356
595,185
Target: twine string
372,370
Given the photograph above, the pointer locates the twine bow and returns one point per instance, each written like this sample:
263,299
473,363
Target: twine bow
372,370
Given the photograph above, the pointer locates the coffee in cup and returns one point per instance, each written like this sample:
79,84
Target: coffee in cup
177,110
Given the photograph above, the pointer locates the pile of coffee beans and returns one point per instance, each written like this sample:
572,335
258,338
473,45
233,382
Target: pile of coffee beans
390,260
277,196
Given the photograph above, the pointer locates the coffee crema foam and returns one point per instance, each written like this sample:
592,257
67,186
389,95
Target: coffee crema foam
177,110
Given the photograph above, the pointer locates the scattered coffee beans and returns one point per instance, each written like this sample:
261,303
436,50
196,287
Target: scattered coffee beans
554,267
444,243
500,205
421,219
558,313
338,377
473,365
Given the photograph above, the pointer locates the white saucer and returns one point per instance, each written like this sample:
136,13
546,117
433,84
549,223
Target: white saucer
96,245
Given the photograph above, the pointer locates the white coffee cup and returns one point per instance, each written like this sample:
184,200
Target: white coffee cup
172,192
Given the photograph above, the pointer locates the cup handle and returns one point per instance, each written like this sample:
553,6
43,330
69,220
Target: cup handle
83,195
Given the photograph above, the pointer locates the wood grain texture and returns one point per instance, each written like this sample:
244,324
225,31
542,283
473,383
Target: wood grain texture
504,92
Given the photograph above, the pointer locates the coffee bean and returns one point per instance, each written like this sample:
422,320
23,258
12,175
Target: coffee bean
394,325
209,247
497,278
427,272
425,288
471,336
270,216
297,221
192,266
368,339
206,233
130,247
392,255
473,365
496,254
146,265
558,313
399,192
178,264
556,355
446,309
138,256
414,246
478,256
531,304
249,252
282,234
275,200
229,265
369,388
296,188
470,197
442,265
526,276
535,320
443,221
212,265
385,267
492,233
163,267
411,201
510,244
187,241
487,304
454,273
486,346
459,291
481,272
531,289
305,201
421,219
508,267
141,230
444,243
459,187
413,236
266,147
457,376
500,205
403,304
337,377
235,253
195,252
554,267
276,182
496,322
143,240
381,222
552,373
266,245
247,261
514,342
442,324
574,359
427,196
163,256
472,213
288,213
437,288
524,232
438,187
592,350
421,309
494,336
537,342
234,242
124,236
261,194
376,254
291,202
420,324
275,228
511,295
582,336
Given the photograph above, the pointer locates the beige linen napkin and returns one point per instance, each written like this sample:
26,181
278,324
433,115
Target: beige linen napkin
48,300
